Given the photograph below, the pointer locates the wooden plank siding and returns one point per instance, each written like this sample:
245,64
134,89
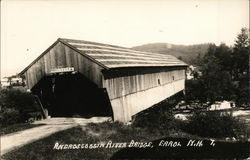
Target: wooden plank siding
134,93
134,80
126,106
61,56
121,86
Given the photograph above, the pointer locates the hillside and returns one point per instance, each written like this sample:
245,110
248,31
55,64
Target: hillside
185,52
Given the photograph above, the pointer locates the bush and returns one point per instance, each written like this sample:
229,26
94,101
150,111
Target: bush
159,119
9,116
214,124
16,106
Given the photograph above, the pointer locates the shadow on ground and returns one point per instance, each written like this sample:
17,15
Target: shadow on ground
220,149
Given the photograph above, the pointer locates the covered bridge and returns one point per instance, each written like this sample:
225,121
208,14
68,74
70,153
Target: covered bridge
92,79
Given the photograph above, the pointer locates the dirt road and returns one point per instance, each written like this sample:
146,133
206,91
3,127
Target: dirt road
52,125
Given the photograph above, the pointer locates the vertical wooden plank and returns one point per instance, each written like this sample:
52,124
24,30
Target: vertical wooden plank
45,64
61,55
27,80
68,56
52,59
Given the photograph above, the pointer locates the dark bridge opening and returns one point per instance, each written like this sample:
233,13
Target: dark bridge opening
72,95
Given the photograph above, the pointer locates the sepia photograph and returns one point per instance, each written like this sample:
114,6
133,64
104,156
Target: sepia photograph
124,79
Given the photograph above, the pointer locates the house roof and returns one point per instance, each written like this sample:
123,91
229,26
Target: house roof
111,56
116,57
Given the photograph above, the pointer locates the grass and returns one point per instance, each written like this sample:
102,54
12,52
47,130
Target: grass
95,134
90,134
16,128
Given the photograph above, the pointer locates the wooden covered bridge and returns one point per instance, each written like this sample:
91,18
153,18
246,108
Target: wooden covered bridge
92,79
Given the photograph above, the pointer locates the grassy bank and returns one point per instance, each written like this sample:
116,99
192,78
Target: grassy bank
90,134
101,133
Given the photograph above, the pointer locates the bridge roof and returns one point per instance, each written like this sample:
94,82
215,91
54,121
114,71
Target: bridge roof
111,56
116,57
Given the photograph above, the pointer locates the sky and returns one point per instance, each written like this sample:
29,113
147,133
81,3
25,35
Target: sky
29,27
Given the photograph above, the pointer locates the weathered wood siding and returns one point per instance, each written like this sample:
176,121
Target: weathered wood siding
132,94
61,56
132,83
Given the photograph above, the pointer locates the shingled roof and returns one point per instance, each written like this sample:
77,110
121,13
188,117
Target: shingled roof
116,57
110,56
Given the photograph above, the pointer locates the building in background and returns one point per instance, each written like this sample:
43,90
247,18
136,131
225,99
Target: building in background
12,81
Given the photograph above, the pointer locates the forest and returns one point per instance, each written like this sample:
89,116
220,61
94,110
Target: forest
225,73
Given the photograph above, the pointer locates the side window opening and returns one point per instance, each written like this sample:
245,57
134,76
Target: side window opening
159,82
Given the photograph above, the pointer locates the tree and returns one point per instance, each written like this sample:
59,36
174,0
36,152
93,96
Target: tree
216,77
240,70
225,73
240,54
180,58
